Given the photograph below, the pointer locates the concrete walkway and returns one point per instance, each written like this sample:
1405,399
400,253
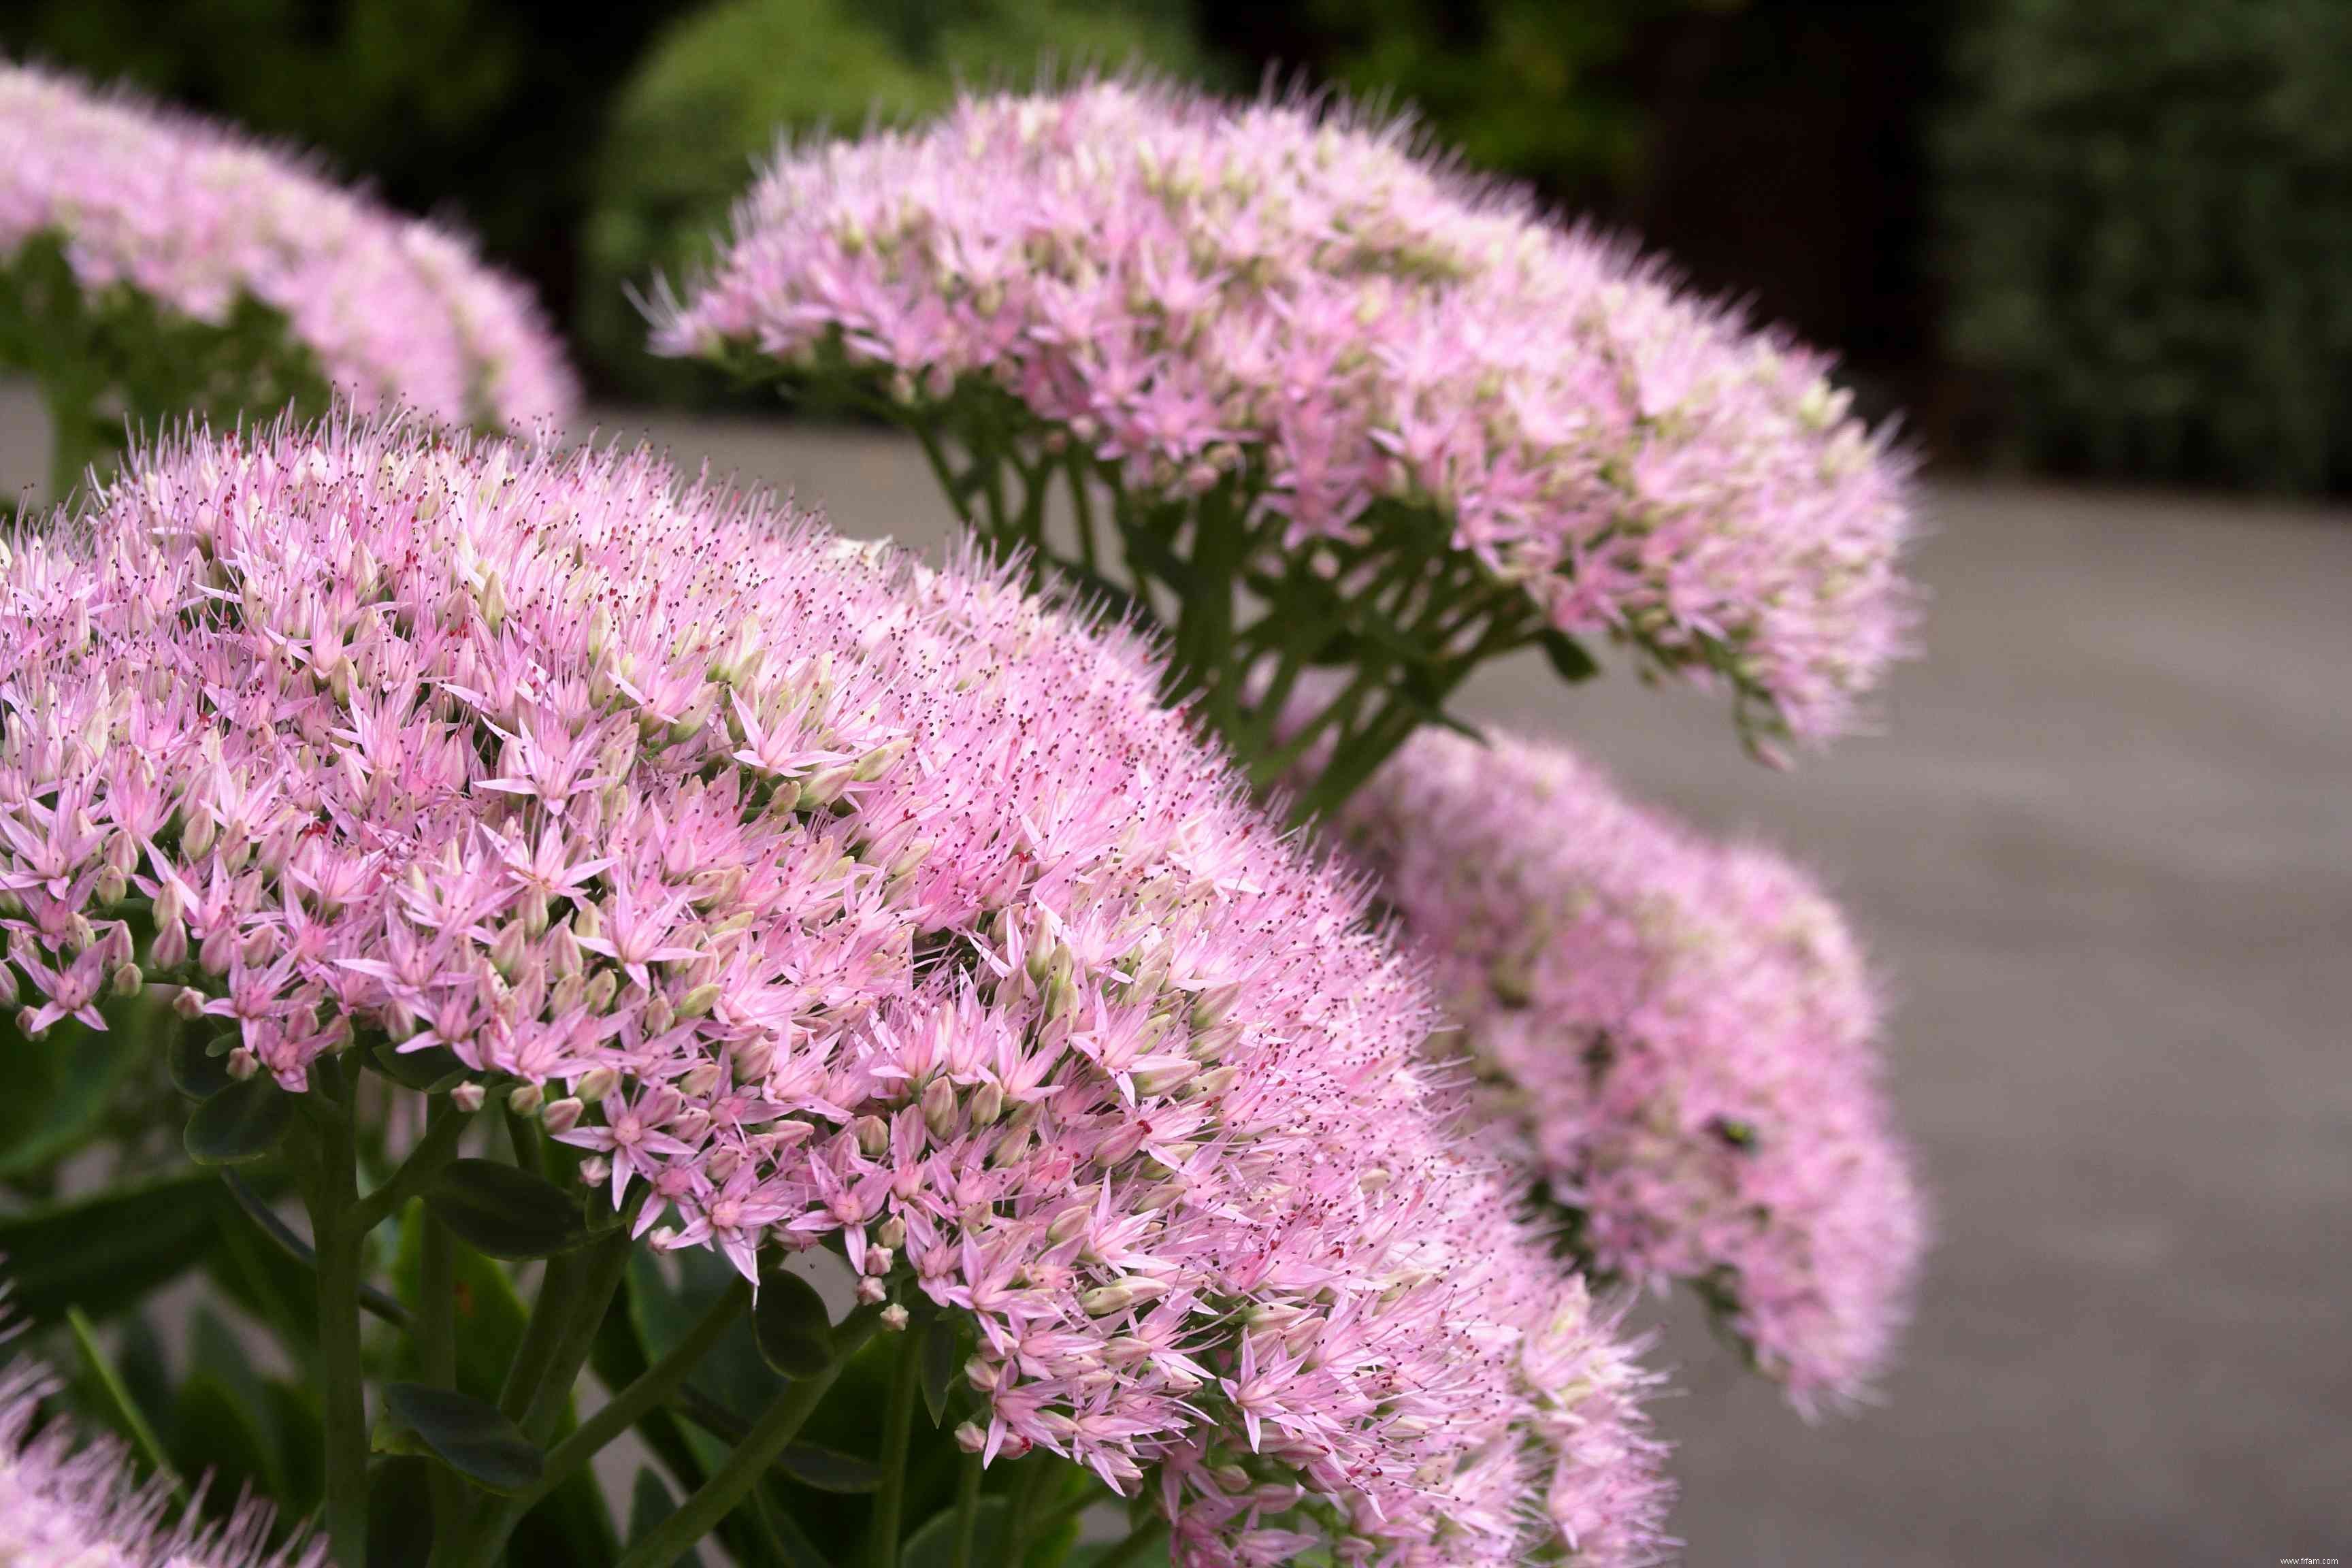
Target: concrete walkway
2102,849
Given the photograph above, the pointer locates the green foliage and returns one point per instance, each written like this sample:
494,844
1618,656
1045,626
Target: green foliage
717,90
113,359
504,1212
2146,209
1522,86
414,95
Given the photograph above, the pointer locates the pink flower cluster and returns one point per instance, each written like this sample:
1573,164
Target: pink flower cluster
394,312
827,899
1680,1037
67,1504
1195,289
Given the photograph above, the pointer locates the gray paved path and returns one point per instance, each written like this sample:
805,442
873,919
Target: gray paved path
2103,848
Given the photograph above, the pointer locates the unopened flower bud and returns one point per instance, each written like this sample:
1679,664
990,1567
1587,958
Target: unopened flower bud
871,1289
873,1135
507,952
243,1064
468,1097
971,1439
894,1319
891,1232
525,1097
594,1170
699,1081
940,1108
659,1014
597,1084
878,1260
110,887
598,997
981,1374
1104,1299
987,1105
128,980
699,1001
169,948
188,1001
197,837
561,1116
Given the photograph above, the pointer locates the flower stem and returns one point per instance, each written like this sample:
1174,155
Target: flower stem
606,1262
967,1509
898,1423
331,1194
628,1406
701,1512
437,1325
1024,1509
1139,1540
446,1125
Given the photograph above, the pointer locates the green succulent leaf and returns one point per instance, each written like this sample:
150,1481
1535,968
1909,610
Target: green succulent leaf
503,1211
465,1434
105,1252
828,1469
794,1333
199,1071
240,1124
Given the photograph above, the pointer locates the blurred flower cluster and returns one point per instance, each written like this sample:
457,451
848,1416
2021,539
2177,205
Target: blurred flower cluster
173,264
1295,304
1679,1037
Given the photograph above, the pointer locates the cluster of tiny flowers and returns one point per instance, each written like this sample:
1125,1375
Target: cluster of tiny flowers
394,312
1680,1035
65,1503
823,899
1197,289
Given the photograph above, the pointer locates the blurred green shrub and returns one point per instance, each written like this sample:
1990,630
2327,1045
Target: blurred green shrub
480,110
1524,88
2146,209
716,92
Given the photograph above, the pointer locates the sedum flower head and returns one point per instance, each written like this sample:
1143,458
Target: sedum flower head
65,1503
822,898
1194,288
386,309
1680,1037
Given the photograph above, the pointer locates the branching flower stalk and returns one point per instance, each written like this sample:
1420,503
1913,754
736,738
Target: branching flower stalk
1266,377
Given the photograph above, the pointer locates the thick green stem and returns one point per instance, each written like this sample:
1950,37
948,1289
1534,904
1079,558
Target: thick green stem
717,1496
1082,508
1139,1541
331,1194
942,470
606,1262
436,1327
626,1407
445,1126
898,1426
1024,1510
967,1509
